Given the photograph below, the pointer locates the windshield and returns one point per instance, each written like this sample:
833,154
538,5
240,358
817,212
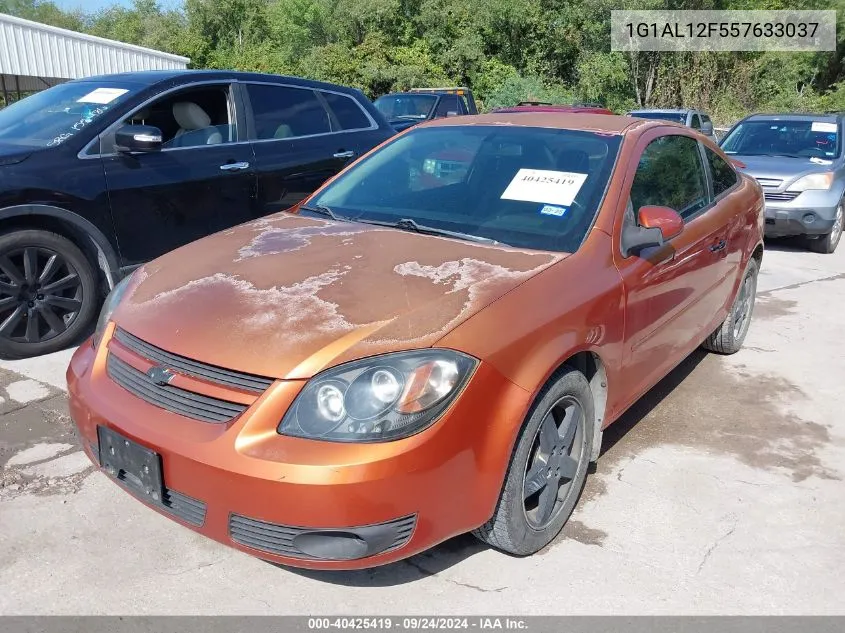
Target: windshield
677,117
529,187
406,106
52,116
773,137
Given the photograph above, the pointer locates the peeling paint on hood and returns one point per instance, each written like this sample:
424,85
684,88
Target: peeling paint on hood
288,295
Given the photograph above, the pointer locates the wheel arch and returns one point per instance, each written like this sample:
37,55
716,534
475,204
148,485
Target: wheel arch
590,363
83,233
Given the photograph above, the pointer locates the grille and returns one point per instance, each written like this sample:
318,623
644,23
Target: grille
278,539
186,508
785,196
190,367
187,403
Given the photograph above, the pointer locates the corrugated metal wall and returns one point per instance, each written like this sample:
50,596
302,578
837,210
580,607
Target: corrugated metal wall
30,49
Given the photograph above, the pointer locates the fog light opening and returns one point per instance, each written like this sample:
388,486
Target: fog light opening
332,545
809,218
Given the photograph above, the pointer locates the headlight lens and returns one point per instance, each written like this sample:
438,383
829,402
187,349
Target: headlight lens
813,181
111,302
378,399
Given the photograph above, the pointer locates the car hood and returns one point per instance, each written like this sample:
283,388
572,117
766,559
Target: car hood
288,295
780,168
13,154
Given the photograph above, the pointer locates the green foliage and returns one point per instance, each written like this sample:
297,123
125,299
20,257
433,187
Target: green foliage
505,50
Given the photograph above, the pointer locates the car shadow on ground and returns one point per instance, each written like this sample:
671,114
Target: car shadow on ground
786,244
460,548
645,405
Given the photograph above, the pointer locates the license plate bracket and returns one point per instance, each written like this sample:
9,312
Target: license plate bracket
136,467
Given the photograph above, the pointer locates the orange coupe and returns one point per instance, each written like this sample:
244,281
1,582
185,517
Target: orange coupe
430,344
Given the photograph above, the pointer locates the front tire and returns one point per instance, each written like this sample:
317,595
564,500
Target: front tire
548,468
729,337
48,293
828,243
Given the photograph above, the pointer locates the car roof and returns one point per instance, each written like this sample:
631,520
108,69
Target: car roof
412,94
151,77
794,116
555,108
607,123
664,110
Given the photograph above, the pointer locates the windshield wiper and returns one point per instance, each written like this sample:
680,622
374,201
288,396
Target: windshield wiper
407,224
324,210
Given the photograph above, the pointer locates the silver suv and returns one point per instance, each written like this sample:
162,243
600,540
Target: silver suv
695,119
798,161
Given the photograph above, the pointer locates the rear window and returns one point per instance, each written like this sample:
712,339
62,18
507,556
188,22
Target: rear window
537,188
724,176
784,137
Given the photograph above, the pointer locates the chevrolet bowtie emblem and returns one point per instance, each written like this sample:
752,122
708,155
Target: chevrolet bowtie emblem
159,375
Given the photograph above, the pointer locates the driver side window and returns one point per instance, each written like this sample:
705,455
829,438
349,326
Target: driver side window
187,118
670,174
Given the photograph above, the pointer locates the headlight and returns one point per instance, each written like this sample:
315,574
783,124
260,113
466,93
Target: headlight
380,398
812,181
111,302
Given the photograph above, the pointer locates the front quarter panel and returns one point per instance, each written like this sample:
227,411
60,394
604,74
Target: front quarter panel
575,305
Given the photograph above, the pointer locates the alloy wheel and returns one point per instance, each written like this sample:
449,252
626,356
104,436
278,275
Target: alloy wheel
744,305
553,462
836,231
40,294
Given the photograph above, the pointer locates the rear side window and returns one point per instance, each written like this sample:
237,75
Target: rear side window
347,113
724,176
282,112
448,103
670,174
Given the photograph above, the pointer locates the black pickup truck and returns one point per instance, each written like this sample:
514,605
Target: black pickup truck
406,109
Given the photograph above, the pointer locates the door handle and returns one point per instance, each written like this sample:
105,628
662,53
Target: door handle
718,246
348,154
234,166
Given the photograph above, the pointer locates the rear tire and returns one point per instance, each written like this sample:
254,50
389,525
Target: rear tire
548,468
828,243
48,293
728,338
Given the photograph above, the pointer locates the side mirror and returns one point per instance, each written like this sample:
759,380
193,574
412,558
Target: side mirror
131,139
656,225
452,113
707,129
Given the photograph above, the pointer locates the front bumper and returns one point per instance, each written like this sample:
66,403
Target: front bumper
308,503
810,213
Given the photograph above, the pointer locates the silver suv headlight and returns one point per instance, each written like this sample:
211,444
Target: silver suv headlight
380,398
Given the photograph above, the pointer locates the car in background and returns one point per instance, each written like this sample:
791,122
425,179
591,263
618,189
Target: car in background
407,109
798,161
398,361
696,119
101,174
540,106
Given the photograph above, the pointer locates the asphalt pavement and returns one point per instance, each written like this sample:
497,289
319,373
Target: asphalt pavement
721,492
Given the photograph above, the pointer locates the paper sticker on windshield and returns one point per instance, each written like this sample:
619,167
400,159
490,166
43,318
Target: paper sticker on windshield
821,126
102,95
549,187
550,209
